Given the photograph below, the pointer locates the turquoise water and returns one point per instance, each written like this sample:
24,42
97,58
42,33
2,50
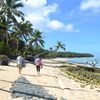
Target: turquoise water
84,60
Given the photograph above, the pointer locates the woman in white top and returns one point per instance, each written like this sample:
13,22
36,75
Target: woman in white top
20,63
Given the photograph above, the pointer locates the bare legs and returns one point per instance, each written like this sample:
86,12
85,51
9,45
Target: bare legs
19,68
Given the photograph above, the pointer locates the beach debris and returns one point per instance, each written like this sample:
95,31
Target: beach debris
93,63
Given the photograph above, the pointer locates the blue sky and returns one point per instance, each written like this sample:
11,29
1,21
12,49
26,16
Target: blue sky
74,22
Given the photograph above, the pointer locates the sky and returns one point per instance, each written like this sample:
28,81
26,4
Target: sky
76,23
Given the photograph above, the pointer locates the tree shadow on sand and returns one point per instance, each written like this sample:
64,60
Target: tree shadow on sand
98,90
2,70
23,88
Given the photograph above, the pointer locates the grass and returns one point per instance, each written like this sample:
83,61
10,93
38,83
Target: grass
84,74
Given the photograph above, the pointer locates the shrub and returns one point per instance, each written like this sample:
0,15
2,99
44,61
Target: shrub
4,60
4,49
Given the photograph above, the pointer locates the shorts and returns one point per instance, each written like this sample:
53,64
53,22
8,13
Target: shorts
19,66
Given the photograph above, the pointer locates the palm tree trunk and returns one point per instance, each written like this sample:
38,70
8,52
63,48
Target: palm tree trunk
1,2
17,44
7,38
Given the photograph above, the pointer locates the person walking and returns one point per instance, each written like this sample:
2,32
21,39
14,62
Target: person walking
38,64
20,63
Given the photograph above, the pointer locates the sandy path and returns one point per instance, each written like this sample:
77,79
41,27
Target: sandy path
50,80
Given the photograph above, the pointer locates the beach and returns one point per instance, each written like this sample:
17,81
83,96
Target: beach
51,84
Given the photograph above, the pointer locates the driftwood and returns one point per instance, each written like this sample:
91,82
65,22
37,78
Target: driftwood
92,63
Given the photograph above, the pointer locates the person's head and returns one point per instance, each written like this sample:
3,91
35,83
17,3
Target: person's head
19,54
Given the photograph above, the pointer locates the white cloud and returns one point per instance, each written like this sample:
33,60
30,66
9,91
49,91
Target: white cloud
69,27
38,20
55,24
50,9
35,17
90,4
40,16
35,3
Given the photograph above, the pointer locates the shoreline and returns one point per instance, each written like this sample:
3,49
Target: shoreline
66,60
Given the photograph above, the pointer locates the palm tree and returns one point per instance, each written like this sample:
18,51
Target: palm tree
22,31
60,45
51,49
4,30
36,39
10,10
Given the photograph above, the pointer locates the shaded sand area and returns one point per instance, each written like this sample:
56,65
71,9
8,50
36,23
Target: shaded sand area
50,85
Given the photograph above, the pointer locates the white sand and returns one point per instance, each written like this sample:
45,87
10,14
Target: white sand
51,80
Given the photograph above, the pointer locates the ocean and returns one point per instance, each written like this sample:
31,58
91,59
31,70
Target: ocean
85,59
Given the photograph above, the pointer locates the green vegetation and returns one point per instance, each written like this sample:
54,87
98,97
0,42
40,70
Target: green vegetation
3,48
87,75
68,54
17,36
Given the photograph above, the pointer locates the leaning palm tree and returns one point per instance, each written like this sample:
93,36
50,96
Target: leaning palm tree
60,45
